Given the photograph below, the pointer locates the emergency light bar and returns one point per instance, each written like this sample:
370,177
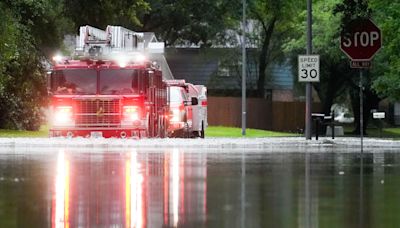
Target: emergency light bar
179,82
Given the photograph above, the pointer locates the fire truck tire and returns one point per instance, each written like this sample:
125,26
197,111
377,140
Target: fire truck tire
202,135
150,126
161,128
186,132
165,127
142,134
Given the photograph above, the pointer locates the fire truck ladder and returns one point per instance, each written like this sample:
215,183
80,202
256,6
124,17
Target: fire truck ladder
94,42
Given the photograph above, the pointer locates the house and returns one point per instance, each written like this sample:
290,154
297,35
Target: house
220,70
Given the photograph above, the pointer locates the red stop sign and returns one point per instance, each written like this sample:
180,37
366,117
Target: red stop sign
362,41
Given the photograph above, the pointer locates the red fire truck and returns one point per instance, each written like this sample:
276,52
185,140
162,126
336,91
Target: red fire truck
110,90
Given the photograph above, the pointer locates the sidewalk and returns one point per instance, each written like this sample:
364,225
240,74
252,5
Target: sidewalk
270,144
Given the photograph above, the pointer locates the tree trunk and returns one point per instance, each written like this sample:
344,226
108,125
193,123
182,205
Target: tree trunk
263,58
370,101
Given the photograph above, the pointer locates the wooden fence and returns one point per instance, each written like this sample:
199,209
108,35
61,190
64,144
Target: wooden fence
261,114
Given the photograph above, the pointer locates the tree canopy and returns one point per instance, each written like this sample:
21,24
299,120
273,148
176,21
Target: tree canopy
31,30
386,68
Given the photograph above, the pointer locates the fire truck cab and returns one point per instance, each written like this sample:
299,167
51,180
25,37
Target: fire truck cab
107,93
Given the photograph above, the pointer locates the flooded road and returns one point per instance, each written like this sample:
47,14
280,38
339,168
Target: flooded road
181,187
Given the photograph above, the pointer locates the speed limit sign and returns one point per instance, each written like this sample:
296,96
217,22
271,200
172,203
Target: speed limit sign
308,68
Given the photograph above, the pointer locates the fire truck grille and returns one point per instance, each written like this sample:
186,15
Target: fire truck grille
97,113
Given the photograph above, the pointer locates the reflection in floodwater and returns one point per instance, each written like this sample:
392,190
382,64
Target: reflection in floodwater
143,190
61,196
133,193
175,186
212,188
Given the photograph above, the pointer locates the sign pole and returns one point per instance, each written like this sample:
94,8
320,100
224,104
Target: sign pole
244,69
361,110
362,149
361,43
307,206
309,84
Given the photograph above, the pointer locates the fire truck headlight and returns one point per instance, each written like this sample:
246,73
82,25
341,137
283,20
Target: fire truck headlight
175,115
63,116
139,58
122,61
57,58
131,113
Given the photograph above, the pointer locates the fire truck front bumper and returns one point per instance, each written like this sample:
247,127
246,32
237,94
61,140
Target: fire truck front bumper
99,132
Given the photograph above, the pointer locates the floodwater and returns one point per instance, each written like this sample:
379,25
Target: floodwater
179,187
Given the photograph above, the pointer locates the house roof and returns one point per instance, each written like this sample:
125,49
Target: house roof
201,66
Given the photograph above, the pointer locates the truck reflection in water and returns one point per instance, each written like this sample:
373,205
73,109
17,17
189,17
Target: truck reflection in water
140,190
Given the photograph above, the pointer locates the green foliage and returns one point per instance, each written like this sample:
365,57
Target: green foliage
386,67
31,31
352,10
273,19
191,22
335,75
106,12
43,132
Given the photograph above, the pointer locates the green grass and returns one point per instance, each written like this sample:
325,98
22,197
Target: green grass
218,131
212,131
374,132
43,132
386,133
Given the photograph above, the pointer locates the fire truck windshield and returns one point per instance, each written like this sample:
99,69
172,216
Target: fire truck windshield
74,81
118,81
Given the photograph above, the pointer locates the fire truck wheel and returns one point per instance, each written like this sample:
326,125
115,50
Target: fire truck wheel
143,134
186,132
202,130
161,128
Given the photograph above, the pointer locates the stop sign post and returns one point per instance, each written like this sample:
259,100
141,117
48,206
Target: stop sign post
360,41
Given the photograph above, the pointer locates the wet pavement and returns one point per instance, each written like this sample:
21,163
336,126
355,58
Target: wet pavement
270,144
112,185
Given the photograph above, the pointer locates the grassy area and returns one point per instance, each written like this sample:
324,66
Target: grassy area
386,133
211,131
218,131
374,132
43,132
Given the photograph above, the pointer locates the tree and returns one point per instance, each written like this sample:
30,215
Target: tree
187,22
272,17
335,73
31,32
106,12
218,23
351,10
386,67
337,79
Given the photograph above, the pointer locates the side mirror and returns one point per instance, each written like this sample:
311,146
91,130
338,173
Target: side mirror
195,101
